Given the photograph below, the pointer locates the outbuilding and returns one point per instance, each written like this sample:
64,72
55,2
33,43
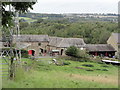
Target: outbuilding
103,50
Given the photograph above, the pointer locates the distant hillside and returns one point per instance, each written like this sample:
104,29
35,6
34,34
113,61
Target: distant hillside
93,28
71,17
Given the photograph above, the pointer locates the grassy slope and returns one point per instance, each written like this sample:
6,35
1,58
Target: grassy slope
46,75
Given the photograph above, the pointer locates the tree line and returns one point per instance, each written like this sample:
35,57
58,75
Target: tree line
94,32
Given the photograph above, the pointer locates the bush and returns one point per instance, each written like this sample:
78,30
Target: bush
77,53
83,54
24,53
72,51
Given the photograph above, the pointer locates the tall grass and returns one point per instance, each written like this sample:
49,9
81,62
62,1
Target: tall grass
45,75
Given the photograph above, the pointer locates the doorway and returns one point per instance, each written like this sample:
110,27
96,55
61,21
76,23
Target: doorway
61,51
31,52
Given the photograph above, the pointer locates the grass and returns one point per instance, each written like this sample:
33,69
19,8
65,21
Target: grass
44,74
28,19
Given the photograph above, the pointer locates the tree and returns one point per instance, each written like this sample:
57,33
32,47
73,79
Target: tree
23,25
21,7
72,51
40,20
77,53
8,22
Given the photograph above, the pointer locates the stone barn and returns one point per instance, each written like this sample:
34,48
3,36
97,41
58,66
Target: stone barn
36,45
59,44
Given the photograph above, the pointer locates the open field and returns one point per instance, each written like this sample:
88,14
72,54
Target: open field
44,74
28,19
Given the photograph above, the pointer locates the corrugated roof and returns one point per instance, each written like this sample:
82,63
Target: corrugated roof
66,42
99,47
32,38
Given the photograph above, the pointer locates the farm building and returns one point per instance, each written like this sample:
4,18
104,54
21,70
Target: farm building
114,40
61,44
100,50
35,44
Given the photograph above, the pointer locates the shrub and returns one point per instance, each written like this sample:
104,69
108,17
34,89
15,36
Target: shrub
83,54
72,51
24,53
77,53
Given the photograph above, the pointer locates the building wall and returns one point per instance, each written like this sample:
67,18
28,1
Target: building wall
113,42
36,47
50,48
60,49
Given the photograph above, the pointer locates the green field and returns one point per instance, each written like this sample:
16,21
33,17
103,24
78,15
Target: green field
44,74
29,20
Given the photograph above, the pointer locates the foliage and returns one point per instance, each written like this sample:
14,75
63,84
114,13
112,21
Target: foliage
39,20
77,53
7,16
83,54
23,24
72,51
91,32
24,53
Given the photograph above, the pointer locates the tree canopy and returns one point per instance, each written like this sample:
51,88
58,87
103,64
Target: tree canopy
91,32
21,7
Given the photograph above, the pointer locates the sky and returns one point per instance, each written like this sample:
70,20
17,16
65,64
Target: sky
76,6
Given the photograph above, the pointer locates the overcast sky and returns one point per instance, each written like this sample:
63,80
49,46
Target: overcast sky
76,6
